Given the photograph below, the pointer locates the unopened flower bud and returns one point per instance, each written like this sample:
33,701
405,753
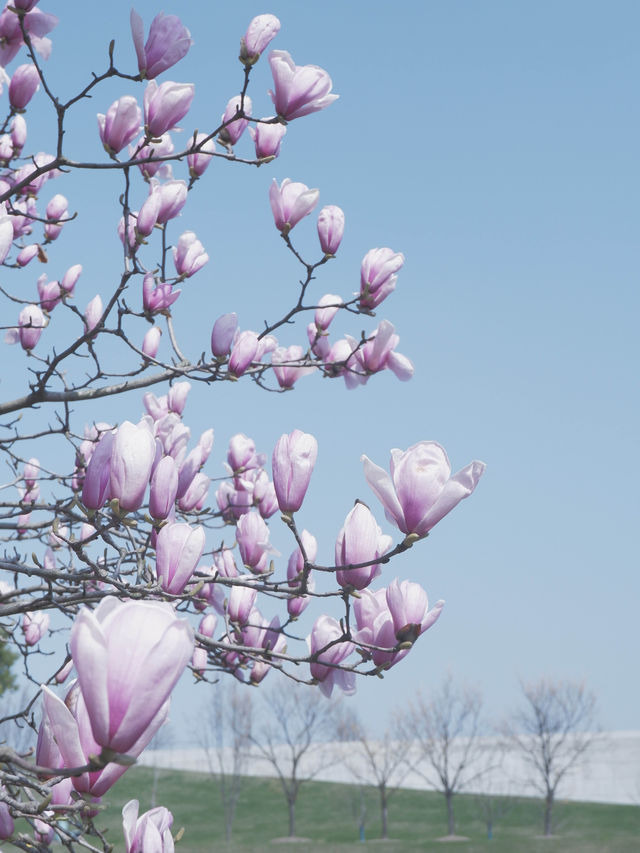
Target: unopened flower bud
222,335
92,313
25,82
330,228
260,32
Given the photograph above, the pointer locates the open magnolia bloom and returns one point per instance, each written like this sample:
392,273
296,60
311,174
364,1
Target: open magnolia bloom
420,490
128,656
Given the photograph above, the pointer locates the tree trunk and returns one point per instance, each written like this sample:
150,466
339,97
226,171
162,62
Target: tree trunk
450,819
384,811
292,818
548,813
228,825
154,787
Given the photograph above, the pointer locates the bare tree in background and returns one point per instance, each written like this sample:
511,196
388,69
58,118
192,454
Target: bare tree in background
381,763
444,731
162,740
553,729
225,736
492,790
296,722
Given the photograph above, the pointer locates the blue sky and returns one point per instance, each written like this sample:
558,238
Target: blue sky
495,145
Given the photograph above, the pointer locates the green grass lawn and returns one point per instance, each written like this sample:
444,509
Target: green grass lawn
328,815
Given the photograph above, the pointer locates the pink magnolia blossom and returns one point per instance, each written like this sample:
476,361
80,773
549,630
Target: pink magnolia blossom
409,608
151,341
35,22
31,472
95,489
128,656
177,396
131,236
149,833
240,601
160,147
6,155
7,825
330,228
376,634
194,462
268,503
295,568
223,333
26,255
168,42
49,292
324,668
131,460
120,125
230,134
377,354
420,490
25,82
378,276
360,540
195,495
178,551
165,105
262,635
31,322
172,196
164,486
291,202
34,627
286,371
147,216
157,407
243,352
242,454
260,33
56,213
252,535
224,563
207,626
93,313
66,739
6,232
267,138
293,460
34,181
189,256
70,279
200,159
18,133
299,90
157,297
328,307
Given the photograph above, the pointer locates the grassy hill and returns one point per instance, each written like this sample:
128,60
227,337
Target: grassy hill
328,815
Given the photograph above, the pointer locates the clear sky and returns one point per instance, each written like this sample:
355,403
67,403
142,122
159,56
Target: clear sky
495,145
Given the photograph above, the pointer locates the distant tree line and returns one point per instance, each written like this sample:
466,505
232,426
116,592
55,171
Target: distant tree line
440,737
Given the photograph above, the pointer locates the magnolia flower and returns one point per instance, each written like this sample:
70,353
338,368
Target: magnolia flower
128,656
294,457
260,32
168,42
149,833
420,490
291,202
299,89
